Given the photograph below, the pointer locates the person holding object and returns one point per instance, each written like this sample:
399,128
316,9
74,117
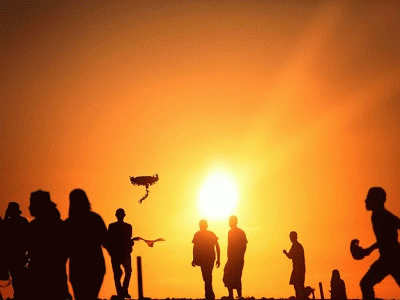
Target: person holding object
204,242
385,226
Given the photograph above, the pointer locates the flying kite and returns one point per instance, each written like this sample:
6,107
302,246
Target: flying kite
145,181
149,243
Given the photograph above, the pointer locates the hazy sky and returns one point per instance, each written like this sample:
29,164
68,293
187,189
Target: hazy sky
296,102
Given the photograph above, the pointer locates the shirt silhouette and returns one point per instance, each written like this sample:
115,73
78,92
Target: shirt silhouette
204,242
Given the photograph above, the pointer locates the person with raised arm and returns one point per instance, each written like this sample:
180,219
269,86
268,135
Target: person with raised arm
296,254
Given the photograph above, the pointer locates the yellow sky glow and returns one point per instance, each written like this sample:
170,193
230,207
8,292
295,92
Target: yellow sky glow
218,196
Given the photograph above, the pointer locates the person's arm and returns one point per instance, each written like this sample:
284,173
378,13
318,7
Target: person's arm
218,262
193,264
397,221
289,254
194,245
131,240
371,248
103,233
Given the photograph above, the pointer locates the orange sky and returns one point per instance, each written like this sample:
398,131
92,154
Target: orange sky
296,100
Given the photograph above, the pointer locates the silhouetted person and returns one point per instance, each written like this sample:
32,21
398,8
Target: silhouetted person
237,243
120,248
204,242
46,250
385,226
338,288
87,233
4,275
15,247
296,254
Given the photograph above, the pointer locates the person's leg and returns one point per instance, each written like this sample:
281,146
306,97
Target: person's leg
127,264
239,291
299,290
395,272
15,281
376,273
90,288
206,270
116,266
230,291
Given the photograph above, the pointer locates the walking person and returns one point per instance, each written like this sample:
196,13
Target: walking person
205,243
296,254
87,233
385,226
120,249
237,244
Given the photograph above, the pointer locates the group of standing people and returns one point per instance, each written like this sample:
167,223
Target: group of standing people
204,243
206,252
35,253
385,226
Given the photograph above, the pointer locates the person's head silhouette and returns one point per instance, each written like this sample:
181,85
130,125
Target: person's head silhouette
203,225
376,198
335,275
293,236
233,221
120,214
79,204
40,203
13,210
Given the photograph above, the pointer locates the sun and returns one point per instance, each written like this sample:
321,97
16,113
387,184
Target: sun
218,197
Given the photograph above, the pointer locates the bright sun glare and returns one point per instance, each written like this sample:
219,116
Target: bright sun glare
218,196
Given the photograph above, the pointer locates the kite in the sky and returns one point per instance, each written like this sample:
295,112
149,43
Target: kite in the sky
149,243
145,181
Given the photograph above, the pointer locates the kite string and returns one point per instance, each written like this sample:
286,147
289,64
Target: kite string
145,196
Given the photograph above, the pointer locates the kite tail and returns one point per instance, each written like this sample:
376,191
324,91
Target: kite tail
145,196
